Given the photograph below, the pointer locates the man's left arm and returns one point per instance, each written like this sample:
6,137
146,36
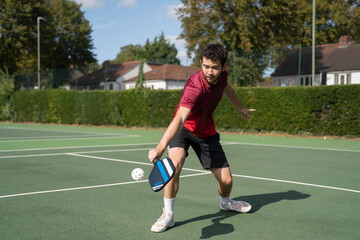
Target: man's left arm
231,94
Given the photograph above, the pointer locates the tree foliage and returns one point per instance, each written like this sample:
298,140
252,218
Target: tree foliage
129,53
6,89
159,51
265,28
6,83
64,37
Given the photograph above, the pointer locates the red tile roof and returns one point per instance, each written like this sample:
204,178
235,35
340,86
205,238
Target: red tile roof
113,71
168,72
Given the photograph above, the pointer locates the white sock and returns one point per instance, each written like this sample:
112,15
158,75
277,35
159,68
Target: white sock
169,205
224,200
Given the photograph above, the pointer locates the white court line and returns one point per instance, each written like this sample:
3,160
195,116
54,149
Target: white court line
57,154
127,161
52,130
234,175
72,147
87,187
77,138
296,147
297,183
57,137
201,172
109,159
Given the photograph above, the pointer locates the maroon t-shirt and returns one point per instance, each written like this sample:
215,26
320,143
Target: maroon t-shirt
202,99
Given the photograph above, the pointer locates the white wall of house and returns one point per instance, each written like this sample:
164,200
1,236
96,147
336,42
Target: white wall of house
293,80
112,85
130,74
173,85
355,77
340,78
151,84
332,78
159,85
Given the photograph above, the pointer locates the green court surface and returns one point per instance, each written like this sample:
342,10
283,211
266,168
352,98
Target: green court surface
73,182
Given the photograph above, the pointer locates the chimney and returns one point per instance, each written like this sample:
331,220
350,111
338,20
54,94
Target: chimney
107,62
344,40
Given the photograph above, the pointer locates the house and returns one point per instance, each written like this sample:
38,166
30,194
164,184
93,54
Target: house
335,64
122,76
167,76
111,75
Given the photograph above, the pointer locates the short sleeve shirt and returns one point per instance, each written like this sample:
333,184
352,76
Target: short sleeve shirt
202,99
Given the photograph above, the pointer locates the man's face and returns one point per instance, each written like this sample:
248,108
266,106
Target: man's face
211,69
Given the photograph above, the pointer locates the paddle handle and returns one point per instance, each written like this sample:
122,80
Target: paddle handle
155,160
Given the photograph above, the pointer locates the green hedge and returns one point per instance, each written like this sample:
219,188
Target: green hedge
139,107
325,110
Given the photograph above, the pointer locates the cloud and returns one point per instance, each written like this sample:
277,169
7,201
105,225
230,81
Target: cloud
91,4
171,13
180,46
105,25
127,3
179,43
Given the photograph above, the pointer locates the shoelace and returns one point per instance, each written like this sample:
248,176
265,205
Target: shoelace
162,218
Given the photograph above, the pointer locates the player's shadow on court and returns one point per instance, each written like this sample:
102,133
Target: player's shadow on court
257,201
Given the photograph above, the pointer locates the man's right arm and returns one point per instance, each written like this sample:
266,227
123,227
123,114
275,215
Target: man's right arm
176,124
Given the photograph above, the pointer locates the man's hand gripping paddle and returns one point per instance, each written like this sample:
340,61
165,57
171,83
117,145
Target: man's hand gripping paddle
161,174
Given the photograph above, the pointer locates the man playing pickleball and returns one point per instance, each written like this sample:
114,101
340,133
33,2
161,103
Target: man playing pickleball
193,125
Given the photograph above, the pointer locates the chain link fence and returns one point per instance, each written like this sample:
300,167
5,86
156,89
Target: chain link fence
54,78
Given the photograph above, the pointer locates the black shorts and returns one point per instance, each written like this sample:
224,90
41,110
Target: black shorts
208,150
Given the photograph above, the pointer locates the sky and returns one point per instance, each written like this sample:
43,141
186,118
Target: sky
117,23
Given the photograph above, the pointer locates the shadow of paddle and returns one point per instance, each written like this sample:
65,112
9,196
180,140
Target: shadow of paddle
257,201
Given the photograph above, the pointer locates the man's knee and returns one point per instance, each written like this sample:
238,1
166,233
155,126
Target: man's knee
177,155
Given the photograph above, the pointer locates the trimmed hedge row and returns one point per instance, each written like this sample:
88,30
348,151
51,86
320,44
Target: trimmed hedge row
139,107
324,110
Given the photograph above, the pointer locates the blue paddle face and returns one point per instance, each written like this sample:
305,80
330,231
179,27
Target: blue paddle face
161,174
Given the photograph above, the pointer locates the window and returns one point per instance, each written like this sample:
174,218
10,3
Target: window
306,81
323,78
348,78
343,78
283,82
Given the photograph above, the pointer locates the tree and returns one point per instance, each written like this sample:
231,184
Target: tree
263,26
65,36
159,51
141,77
6,83
129,53
6,89
18,34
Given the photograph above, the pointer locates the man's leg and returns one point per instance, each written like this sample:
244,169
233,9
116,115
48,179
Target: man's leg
224,178
177,155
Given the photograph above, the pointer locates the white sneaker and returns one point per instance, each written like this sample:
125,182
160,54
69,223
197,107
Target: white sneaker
237,206
163,223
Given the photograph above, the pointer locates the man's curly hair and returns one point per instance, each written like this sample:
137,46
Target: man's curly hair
214,52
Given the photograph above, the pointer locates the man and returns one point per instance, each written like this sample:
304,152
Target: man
193,125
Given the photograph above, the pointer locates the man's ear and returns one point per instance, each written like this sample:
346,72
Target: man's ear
224,67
